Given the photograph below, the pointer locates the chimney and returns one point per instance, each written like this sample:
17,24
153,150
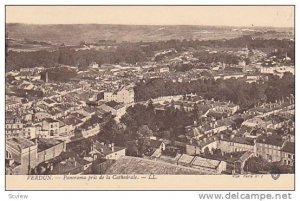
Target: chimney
222,136
204,139
112,147
93,146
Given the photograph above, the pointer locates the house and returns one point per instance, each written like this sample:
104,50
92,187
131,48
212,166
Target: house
110,151
209,166
116,109
269,147
65,129
288,153
123,95
38,116
236,144
71,166
228,108
80,116
23,153
30,131
72,122
50,128
48,148
215,127
254,122
87,130
13,126
198,146
157,146
49,102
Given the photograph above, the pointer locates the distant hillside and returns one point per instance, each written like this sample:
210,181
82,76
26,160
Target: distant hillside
74,33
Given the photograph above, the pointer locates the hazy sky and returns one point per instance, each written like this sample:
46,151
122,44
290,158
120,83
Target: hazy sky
277,16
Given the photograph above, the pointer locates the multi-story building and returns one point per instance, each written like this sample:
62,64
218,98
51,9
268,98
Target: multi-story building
13,126
50,127
23,155
288,153
269,147
116,109
48,149
110,151
122,95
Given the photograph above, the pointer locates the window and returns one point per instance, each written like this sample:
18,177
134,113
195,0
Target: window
51,133
8,155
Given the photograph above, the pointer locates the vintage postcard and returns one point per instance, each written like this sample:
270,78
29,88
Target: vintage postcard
149,97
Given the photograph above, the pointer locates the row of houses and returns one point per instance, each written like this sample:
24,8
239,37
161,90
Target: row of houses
272,148
36,156
23,155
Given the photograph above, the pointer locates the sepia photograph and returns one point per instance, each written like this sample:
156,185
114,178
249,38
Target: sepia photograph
149,97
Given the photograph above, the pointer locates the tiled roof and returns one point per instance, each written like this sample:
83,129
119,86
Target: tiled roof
289,147
135,165
19,143
187,159
44,143
271,140
204,162
105,150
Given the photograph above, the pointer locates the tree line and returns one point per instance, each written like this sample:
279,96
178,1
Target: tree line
238,91
140,52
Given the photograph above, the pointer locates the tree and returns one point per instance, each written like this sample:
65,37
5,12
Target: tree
145,132
207,152
111,132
